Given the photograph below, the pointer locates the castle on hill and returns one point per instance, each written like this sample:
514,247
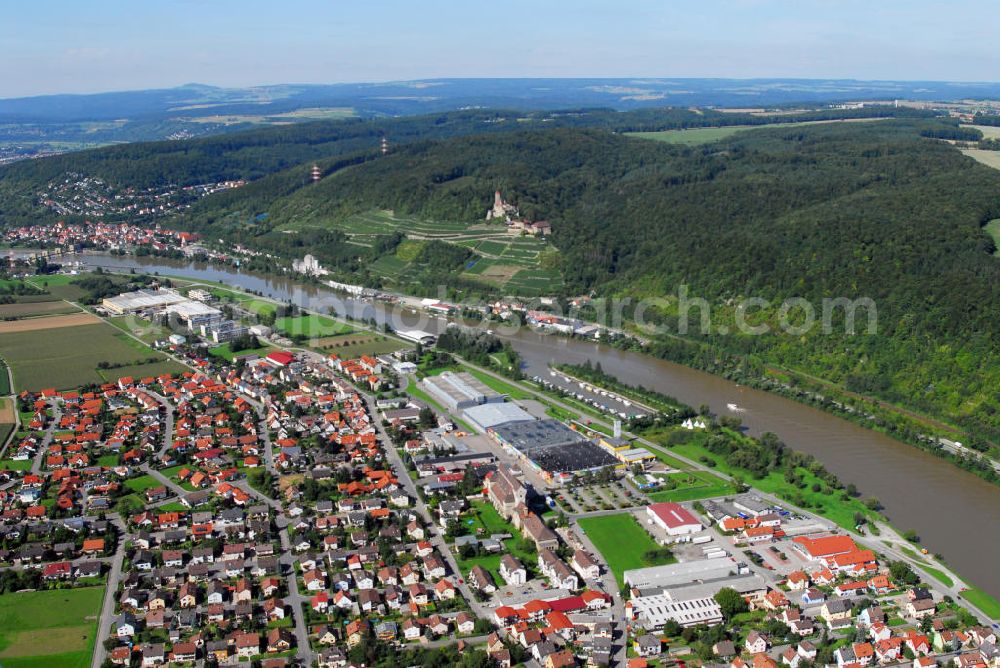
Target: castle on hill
501,210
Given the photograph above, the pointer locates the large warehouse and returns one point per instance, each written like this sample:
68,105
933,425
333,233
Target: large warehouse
551,447
460,390
485,416
142,300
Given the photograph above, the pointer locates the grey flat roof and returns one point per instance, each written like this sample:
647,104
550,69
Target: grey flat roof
485,416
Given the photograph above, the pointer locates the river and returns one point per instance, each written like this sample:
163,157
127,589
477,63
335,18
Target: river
956,513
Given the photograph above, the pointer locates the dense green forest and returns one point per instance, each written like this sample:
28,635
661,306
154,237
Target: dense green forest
254,154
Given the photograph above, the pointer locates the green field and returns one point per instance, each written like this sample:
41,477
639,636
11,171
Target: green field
58,286
349,346
142,483
993,229
692,485
226,353
690,137
67,357
29,309
15,465
622,542
312,326
55,629
989,605
988,158
259,306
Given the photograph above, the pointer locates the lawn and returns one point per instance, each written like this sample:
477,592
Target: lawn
486,517
226,353
49,628
692,485
56,357
989,605
107,460
622,543
311,326
259,306
142,483
15,465
939,575
349,346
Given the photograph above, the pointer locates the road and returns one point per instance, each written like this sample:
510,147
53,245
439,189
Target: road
43,445
110,595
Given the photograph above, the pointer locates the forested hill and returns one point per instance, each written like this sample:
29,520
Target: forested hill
841,210
254,154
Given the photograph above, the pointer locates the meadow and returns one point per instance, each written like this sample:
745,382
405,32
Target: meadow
622,542
691,137
56,357
54,629
992,228
693,485
225,352
311,326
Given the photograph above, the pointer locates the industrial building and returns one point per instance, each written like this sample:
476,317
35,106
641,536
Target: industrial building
673,518
417,336
142,300
485,416
457,391
551,447
193,314
689,603
685,592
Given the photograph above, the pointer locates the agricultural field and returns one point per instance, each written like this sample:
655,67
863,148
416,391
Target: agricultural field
142,370
30,309
360,343
48,353
691,137
59,286
696,136
312,326
54,629
988,158
622,542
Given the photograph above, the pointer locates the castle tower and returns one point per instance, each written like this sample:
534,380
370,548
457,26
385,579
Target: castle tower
316,174
497,201
384,146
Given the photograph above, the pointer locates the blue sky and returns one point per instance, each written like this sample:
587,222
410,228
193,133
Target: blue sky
50,46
